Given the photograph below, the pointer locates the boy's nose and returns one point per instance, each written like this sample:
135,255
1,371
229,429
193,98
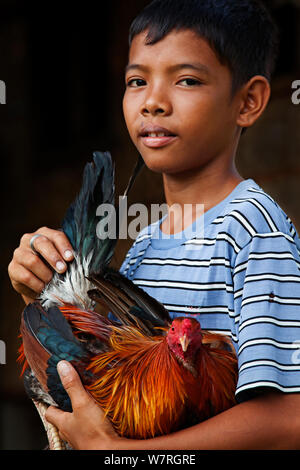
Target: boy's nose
156,105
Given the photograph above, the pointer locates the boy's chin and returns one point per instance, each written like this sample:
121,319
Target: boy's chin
161,169
160,165
165,169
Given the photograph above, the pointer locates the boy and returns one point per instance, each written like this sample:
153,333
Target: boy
198,74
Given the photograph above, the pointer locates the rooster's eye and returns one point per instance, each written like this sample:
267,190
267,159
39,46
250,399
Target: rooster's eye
173,329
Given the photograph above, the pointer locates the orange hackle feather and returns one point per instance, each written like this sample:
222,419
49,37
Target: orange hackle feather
22,359
141,386
217,375
146,392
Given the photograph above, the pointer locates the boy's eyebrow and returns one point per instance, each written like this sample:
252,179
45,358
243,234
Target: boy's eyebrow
195,66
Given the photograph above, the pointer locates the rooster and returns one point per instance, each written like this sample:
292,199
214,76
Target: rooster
150,375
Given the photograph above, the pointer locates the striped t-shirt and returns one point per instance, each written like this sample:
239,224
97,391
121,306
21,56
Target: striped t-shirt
238,276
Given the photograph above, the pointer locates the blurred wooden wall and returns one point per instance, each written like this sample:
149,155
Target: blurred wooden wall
64,72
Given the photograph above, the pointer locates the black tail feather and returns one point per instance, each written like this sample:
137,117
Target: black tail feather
128,302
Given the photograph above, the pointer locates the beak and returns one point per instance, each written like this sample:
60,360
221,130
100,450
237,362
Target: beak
184,341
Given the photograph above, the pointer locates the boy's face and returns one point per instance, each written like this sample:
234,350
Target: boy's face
178,84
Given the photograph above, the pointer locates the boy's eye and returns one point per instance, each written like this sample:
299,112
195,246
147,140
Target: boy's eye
190,82
136,82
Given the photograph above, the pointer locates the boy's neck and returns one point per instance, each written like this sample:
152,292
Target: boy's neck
207,188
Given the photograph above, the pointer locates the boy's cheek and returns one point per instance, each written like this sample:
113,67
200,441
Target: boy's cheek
128,120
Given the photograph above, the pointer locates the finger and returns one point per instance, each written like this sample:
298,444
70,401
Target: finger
58,238
55,416
24,281
45,247
34,264
61,242
72,384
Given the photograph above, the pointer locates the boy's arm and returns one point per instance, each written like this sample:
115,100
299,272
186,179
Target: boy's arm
268,421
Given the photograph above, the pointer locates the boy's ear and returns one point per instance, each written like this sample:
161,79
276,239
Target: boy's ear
254,97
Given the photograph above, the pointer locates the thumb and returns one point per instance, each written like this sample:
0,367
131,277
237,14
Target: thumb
72,384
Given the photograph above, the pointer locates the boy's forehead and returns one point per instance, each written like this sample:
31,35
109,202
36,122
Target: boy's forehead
177,47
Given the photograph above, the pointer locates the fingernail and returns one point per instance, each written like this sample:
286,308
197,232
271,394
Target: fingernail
60,266
68,254
63,368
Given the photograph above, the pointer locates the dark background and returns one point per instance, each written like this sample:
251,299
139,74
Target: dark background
64,71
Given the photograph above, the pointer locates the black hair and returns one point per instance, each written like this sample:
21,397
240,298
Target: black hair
241,32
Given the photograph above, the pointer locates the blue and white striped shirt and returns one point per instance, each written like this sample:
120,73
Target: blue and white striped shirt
241,278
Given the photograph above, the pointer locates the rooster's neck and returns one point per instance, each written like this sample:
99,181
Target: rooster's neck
187,361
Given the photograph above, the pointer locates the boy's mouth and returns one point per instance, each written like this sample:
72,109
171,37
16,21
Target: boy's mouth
155,136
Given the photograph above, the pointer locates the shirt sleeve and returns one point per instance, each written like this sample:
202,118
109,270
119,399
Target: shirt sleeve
266,282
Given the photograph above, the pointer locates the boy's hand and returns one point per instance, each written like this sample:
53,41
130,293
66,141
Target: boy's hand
28,272
86,427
